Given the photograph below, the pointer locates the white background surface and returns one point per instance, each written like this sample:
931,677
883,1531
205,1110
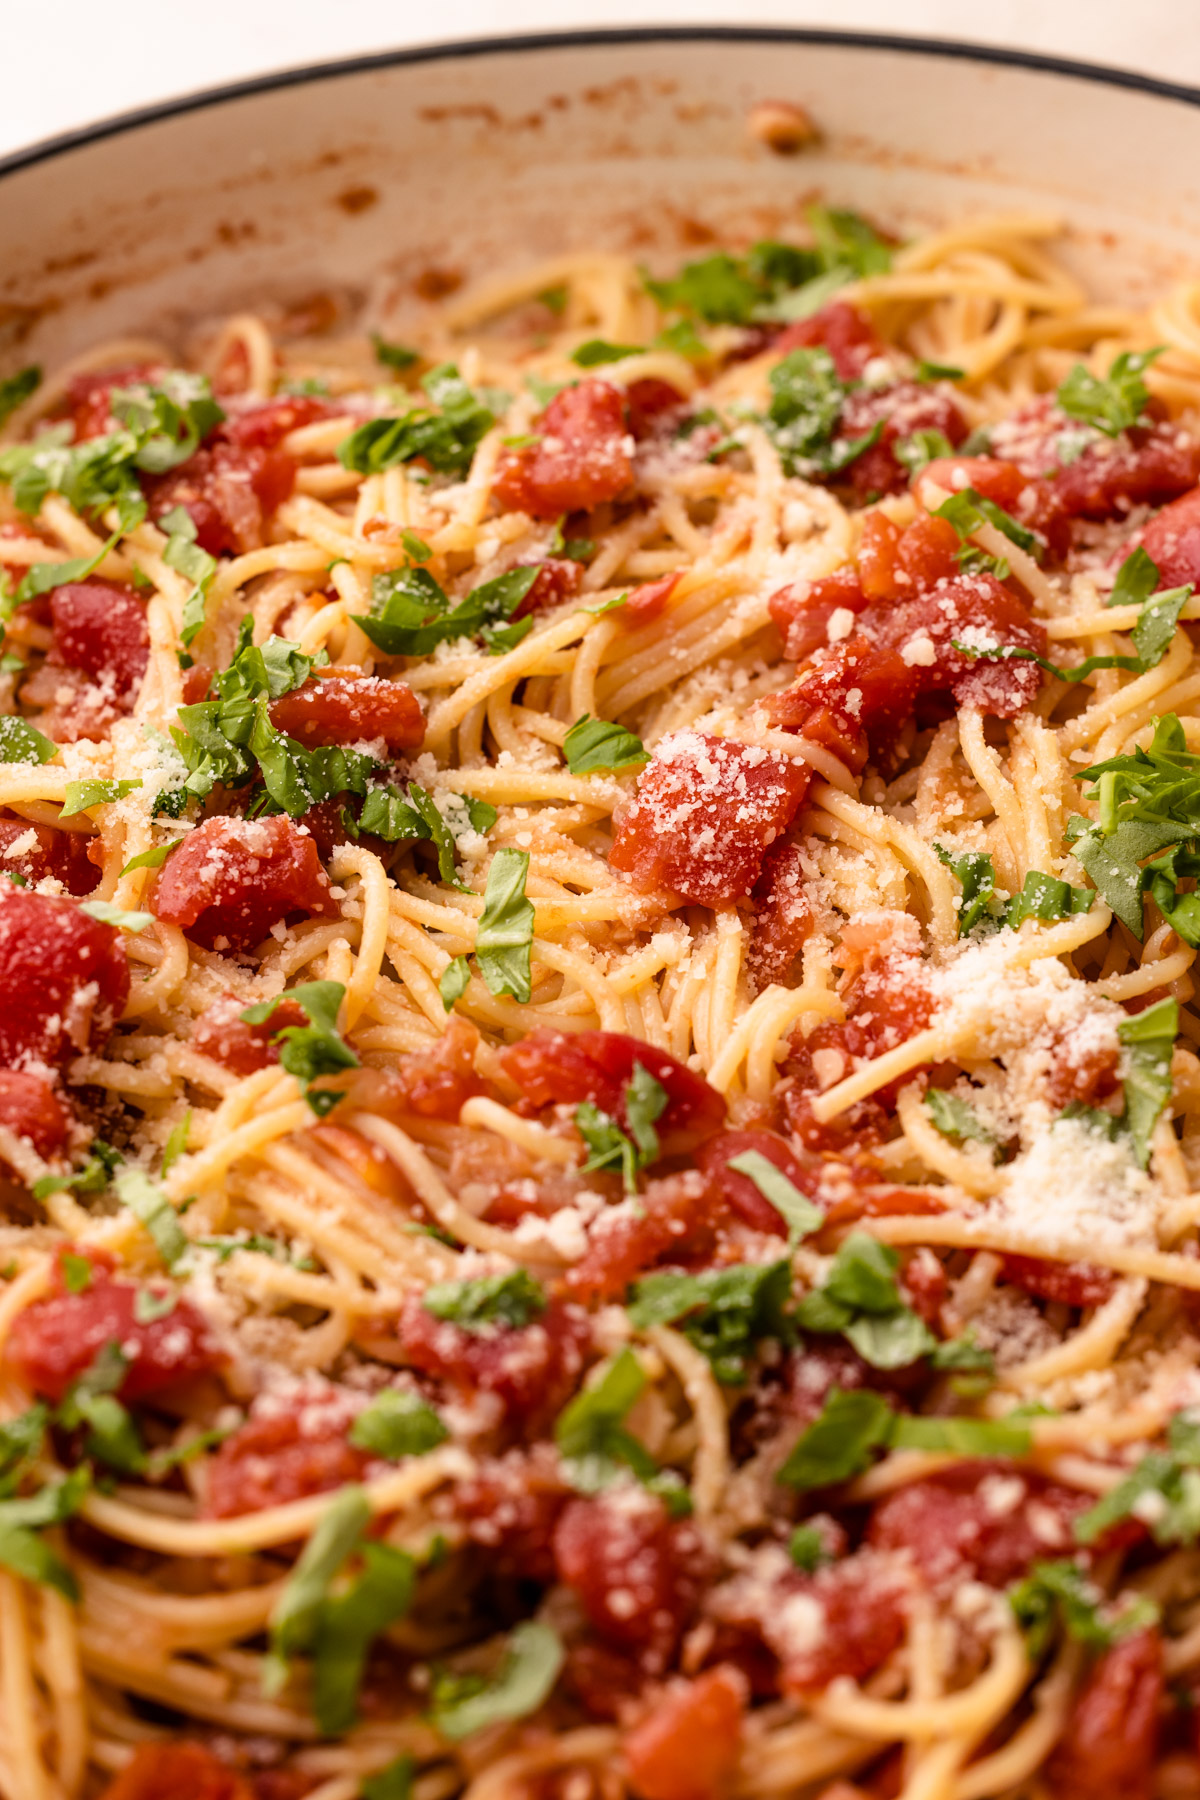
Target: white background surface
74,62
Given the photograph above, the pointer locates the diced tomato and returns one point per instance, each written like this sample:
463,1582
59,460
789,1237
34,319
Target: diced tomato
803,611
858,1609
783,916
230,490
531,1369
64,979
859,693
898,411
876,560
557,579
848,334
1172,541
100,627
1073,1284
284,1456
556,1068
1146,466
179,1771
638,1573
705,811
284,1784
582,457
56,1339
738,1191
1109,1744
433,1084
1081,1070
231,880
990,1520
606,1682
991,477
897,565
886,1005
677,1221
338,709
647,602
89,397
30,1108
222,1033
687,1745
266,426
650,404
511,1505
62,855
196,683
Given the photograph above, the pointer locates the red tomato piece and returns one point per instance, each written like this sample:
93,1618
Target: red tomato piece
857,693
990,476
848,334
738,1191
338,709
223,1034
803,612
1172,540
64,979
926,554
47,852
531,1369
511,1504
840,1623
56,1339
1109,1745
638,1573
888,1003
783,916
582,457
1074,1284
433,1084
266,425
650,404
607,1683
100,627
899,410
557,1068
811,1374
31,1109
176,1772
687,1746
284,1456
231,880
1147,466
557,579
705,811
647,602
230,490
990,1520
878,544
89,397
676,1223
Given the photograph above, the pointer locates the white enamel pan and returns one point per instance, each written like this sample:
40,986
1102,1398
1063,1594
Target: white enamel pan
405,174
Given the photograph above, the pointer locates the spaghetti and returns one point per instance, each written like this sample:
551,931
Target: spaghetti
600,1097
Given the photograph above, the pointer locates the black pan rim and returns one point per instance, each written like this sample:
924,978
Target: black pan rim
952,50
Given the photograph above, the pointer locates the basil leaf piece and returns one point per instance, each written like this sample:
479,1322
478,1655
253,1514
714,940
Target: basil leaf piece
393,1783
593,744
43,578
456,977
184,554
598,350
839,1443
1171,1476
806,1547
511,1300
1060,1592
16,389
861,1299
81,795
610,1147
398,1424
723,1312
411,613
153,858
93,1178
504,936
76,1273
590,1431
975,871
22,1438
921,448
310,1051
119,916
967,510
446,439
30,1557
965,1437
347,1625
683,338
955,1118
176,1145
1149,1039
796,1209
21,742
718,288
392,355
802,420
524,1682
295,1615
935,371
1136,580
1115,403
150,1206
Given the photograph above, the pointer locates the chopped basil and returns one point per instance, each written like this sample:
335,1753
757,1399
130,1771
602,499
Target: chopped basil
177,1143
415,547
797,1211
347,1624
598,350
524,1682
93,1178
76,1273
967,510
310,1051
149,1204
840,1441
411,613
921,448
80,795
16,389
861,1299
455,980
802,419
593,744
21,1548
644,1101
683,338
590,1433
1114,403
21,1441
778,281
956,1118
393,1783
723,1312
1149,1039
806,1547
964,1437
21,742
153,858
392,355
446,438
1060,1592
149,1306
119,916
1163,1490
510,1301
184,554
935,371
1042,897
294,1615
504,936
398,1424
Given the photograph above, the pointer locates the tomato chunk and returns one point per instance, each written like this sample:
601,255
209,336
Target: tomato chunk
1074,1284
688,1744
705,812
841,1622
651,405
229,490
284,1456
1172,540
176,1772
100,627
848,334
31,1109
987,1519
806,611
266,425
648,601
1109,1746
41,851
531,1369
638,1573
557,1068
783,916
557,579
738,1191
56,1339
1146,466
676,1222
222,1033
233,879
511,1504
64,979
897,411
336,709
581,459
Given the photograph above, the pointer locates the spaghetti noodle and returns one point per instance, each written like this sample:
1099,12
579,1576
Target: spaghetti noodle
600,1097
